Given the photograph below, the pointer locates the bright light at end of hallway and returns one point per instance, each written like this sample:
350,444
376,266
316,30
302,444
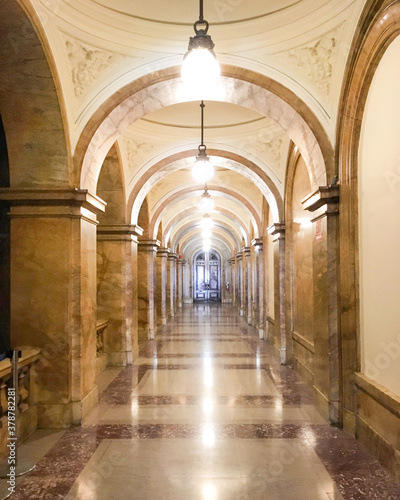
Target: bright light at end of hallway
209,492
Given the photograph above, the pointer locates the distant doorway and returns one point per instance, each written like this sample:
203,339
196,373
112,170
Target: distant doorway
207,276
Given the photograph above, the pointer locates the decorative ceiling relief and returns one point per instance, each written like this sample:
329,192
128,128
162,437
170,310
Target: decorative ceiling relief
315,62
88,64
136,153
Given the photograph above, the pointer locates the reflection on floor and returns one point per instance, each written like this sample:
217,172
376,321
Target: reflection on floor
206,413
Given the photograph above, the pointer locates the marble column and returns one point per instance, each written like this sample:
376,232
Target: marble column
187,293
241,289
172,258
324,204
115,247
247,274
232,283
180,264
147,250
53,296
259,286
278,231
162,284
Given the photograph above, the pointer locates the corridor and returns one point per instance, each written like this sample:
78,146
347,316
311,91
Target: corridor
207,413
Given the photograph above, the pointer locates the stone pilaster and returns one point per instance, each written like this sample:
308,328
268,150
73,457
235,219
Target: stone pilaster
247,275
324,204
53,295
241,289
259,286
180,263
278,231
231,293
172,258
147,251
116,247
162,284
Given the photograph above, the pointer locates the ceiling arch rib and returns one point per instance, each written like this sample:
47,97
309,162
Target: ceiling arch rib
215,191
221,235
187,219
247,168
236,91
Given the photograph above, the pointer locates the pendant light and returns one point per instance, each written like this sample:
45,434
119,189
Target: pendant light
200,68
206,203
203,169
206,222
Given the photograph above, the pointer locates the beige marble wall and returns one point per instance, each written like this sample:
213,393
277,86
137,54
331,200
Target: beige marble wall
53,296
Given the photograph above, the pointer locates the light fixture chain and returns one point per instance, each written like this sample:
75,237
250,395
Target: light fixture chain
201,18
202,105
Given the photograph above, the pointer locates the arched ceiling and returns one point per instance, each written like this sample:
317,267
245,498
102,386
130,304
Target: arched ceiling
116,66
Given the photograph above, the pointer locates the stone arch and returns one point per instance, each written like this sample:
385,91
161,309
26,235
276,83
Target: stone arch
233,161
164,89
30,107
184,230
179,194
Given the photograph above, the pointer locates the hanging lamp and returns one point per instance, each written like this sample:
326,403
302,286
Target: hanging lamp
206,222
200,68
206,203
203,169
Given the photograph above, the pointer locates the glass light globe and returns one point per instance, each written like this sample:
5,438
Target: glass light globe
206,222
206,233
200,69
203,169
206,202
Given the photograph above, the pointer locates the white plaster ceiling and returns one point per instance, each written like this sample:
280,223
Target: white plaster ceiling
186,12
97,47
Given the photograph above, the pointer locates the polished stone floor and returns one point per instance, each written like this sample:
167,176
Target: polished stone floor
206,413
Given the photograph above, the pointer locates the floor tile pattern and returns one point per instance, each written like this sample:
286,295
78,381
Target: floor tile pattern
206,413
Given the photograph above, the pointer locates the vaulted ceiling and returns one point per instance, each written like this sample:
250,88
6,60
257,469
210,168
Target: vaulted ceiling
117,63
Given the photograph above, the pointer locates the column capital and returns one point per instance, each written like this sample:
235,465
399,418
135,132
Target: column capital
232,260
119,232
53,203
173,257
247,251
277,230
324,196
257,243
239,256
148,245
163,252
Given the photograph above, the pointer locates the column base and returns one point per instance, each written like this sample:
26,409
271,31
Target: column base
120,358
164,321
283,356
261,333
63,416
241,313
150,334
